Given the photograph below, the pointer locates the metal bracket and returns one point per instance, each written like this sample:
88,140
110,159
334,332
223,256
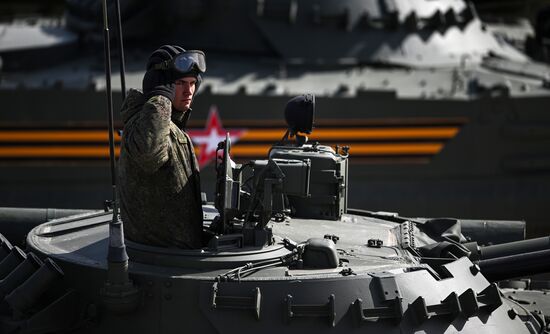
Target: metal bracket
393,310
489,298
310,310
422,312
236,302
388,286
375,243
468,302
391,299
225,242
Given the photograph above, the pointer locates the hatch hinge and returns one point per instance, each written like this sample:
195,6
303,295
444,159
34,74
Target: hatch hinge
237,302
310,310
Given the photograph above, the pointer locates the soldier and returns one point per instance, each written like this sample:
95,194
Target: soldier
159,189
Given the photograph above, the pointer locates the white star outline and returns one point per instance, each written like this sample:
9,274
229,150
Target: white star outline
207,140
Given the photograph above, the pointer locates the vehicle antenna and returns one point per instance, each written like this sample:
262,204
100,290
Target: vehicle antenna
115,231
120,51
119,293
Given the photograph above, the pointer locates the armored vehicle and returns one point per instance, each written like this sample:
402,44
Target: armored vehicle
443,118
526,24
282,252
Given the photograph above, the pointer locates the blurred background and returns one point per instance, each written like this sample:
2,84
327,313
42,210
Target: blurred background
442,103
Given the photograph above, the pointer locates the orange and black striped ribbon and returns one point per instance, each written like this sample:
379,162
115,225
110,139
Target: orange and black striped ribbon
367,141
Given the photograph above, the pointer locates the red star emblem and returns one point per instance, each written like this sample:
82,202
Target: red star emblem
207,139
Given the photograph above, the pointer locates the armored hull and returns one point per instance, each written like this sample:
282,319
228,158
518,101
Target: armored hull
380,288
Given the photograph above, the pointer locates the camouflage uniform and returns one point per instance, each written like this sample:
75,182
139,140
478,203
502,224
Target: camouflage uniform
159,181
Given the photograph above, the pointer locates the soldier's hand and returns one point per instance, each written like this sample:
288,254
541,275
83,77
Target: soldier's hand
159,82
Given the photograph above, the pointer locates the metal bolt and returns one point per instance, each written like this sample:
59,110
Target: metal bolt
376,243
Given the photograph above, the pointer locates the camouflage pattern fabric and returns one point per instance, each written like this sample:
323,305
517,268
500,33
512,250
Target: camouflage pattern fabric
159,185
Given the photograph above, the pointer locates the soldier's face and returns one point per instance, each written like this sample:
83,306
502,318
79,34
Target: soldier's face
185,88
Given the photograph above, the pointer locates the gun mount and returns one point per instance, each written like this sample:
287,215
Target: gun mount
298,179
513,259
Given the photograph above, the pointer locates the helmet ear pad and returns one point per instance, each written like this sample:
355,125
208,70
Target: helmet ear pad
198,83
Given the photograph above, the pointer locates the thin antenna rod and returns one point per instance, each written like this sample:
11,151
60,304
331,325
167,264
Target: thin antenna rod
109,91
120,50
116,256
119,293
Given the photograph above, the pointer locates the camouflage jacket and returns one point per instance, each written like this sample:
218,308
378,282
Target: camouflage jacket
159,185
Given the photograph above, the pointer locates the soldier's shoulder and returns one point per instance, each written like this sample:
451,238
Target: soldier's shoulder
134,96
132,104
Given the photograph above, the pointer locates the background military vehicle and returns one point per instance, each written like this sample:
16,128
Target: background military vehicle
282,252
526,24
510,10
442,117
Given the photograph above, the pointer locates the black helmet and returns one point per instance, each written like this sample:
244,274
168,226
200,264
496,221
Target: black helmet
164,53
167,53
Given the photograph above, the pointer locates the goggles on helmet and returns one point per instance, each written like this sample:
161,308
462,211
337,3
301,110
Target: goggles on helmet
185,62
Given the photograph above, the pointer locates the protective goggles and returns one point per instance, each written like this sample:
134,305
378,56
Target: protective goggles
185,62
